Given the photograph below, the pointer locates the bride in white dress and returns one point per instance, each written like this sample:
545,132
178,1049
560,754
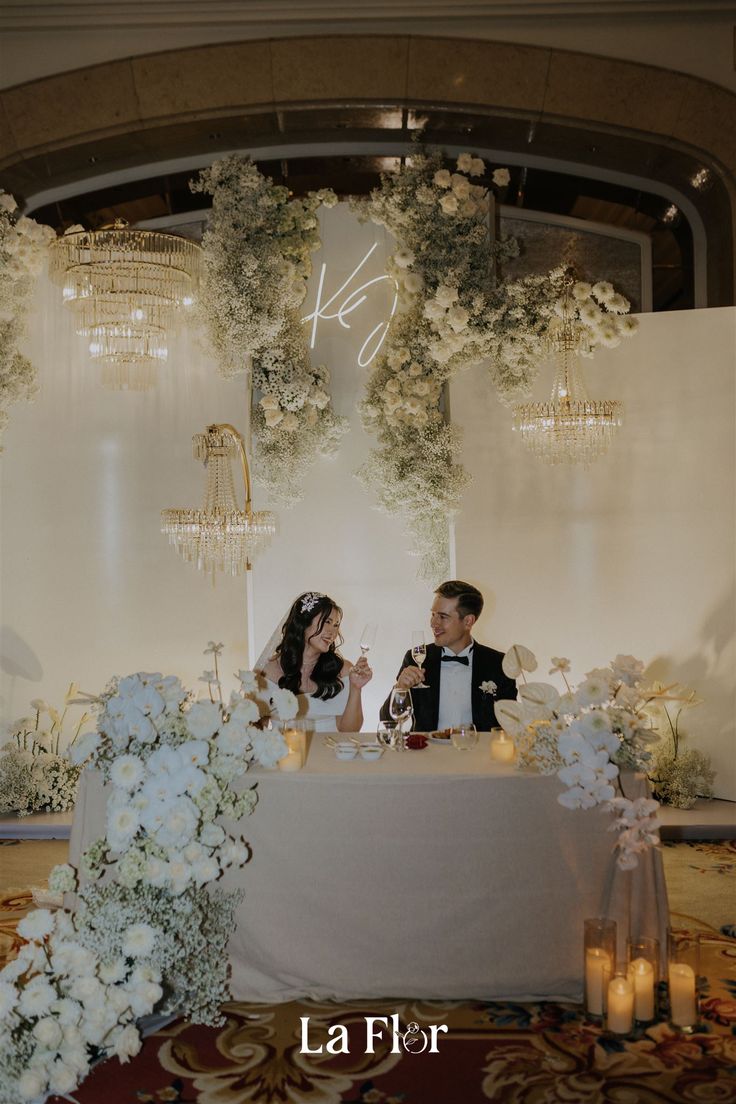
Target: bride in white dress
306,661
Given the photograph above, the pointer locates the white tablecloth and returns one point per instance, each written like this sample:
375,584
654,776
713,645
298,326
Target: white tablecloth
430,874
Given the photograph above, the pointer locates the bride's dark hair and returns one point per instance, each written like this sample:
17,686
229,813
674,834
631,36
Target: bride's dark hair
290,651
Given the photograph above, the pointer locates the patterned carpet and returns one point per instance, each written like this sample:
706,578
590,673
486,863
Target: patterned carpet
531,1054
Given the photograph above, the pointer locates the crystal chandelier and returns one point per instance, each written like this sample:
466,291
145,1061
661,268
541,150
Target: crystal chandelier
571,428
124,287
220,536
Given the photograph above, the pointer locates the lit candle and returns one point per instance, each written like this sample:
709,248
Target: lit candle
291,762
597,972
502,748
641,973
683,1011
620,1012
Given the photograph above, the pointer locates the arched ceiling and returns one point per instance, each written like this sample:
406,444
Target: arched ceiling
601,139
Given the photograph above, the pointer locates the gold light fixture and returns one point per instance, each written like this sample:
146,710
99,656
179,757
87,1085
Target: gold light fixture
571,428
124,287
220,536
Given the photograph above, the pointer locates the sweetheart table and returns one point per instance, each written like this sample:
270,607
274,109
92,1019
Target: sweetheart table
430,874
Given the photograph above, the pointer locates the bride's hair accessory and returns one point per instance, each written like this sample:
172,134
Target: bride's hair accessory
309,601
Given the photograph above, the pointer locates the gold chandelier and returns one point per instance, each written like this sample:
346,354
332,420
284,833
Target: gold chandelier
124,287
571,428
220,536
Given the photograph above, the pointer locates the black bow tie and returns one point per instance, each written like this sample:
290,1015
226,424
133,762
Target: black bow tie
456,659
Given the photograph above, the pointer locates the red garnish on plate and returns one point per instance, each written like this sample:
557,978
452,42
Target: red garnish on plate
416,741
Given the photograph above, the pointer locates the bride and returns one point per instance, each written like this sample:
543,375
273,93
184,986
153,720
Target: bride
306,661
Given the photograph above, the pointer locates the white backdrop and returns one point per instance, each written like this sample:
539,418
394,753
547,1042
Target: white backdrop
636,555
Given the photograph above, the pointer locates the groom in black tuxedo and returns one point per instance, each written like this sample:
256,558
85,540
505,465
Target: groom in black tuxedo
455,667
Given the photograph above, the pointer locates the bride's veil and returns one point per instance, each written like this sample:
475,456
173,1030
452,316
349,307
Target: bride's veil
270,648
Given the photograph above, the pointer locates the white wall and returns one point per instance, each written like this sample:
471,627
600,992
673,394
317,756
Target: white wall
636,555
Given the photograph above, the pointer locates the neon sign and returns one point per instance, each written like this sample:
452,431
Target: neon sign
347,304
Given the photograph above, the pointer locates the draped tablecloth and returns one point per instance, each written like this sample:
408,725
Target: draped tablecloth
431,874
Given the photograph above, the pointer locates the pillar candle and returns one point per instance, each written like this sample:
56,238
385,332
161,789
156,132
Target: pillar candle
620,1012
503,749
291,762
641,973
683,1010
597,972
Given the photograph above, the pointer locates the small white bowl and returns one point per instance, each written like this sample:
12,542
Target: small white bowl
344,750
371,751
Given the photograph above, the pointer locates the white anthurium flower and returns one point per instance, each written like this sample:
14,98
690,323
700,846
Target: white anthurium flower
268,746
540,698
171,690
518,659
512,717
136,724
165,760
559,663
204,719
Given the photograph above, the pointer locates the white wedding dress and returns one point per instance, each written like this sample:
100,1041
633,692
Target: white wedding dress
323,713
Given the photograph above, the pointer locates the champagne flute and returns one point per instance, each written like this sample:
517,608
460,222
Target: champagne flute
399,708
368,637
419,654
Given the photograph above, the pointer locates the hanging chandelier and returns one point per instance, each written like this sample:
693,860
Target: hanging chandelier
124,287
571,428
219,537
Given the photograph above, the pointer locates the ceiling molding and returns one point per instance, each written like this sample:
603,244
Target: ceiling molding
16,15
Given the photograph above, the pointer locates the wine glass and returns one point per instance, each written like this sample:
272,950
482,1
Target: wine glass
419,654
399,708
464,737
368,637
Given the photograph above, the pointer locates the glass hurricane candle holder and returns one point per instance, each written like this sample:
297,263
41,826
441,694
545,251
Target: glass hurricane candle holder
620,1003
683,971
643,971
599,952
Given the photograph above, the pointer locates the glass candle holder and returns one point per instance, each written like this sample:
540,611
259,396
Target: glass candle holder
683,970
599,952
620,1003
643,971
503,749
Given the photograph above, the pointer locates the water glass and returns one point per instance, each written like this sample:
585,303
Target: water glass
464,737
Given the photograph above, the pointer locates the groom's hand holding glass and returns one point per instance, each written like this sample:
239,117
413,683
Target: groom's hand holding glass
410,677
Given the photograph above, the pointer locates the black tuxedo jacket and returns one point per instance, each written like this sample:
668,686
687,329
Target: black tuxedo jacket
486,666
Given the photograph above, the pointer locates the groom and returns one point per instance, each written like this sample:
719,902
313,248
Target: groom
464,679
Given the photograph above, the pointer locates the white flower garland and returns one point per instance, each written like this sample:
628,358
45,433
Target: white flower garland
257,259
23,250
584,736
148,924
454,312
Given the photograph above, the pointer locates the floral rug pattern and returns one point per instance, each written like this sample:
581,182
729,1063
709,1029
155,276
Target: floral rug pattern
543,1053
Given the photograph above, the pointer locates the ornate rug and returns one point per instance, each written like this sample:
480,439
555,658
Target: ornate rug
541,1053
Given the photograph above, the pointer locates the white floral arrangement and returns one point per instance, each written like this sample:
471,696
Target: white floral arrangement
585,735
679,776
150,927
455,310
36,772
23,251
257,260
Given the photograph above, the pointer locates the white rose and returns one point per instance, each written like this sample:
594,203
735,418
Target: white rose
458,318
126,1043
464,161
212,835
477,166
31,1084
460,186
468,208
179,824
501,177
204,719
36,998
448,203
48,1032
139,941
442,178
36,925
413,282
290,422
446,295
7,203
273,417
62,1078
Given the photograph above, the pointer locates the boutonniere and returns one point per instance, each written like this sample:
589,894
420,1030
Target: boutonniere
489,687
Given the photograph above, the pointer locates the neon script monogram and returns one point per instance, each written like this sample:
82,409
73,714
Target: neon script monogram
345,302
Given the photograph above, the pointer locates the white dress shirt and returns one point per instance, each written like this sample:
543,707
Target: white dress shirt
456,706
